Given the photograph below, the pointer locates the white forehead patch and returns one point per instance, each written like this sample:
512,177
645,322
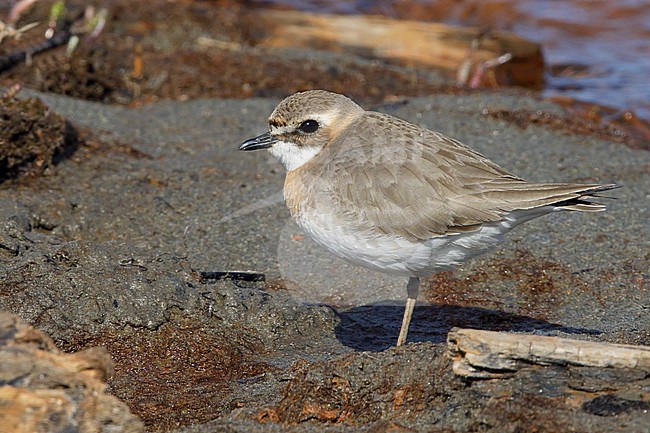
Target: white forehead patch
292,156
281,130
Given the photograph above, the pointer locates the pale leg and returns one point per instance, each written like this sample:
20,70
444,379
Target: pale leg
412,290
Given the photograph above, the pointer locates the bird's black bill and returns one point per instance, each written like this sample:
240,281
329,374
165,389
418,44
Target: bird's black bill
263,141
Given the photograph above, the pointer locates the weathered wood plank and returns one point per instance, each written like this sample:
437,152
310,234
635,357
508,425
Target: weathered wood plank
427,44
486,354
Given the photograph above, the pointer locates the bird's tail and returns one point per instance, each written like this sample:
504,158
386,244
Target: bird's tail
584,202
522,195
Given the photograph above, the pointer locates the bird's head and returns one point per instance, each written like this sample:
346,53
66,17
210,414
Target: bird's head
303,124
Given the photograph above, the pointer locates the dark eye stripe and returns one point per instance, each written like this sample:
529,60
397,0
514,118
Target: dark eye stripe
309,126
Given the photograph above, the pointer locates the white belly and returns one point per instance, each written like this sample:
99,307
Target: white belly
397,255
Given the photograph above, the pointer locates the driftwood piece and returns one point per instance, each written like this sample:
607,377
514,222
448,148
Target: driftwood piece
488,354
412,42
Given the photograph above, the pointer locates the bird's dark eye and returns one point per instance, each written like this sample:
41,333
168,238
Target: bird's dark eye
309,126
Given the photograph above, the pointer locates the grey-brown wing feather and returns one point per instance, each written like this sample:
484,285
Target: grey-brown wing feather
400,179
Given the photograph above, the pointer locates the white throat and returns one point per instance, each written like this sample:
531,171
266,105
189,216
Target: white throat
292,156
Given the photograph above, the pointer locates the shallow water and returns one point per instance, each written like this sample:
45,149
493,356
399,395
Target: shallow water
597,51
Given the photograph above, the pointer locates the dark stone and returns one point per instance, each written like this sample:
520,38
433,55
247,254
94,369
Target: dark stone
612,405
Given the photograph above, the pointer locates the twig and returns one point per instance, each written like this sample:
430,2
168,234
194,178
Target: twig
18,9
14,58
11,91
6,30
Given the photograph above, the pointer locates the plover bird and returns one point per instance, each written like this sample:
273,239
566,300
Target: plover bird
386,194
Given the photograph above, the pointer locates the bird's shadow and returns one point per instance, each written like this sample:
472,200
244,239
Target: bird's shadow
375,327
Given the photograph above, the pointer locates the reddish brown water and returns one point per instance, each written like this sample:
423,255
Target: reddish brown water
597,51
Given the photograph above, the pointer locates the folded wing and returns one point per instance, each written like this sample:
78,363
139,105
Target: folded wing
396,178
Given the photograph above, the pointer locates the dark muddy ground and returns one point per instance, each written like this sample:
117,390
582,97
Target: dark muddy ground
100,253
107,248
